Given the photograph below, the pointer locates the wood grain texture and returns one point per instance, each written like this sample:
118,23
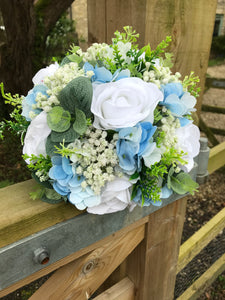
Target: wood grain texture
190,29
152,265
200,239
72,257
198,287
79,279
20,216
123,290
216,158
184,20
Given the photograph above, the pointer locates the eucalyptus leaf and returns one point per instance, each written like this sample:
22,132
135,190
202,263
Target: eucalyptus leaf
58,119
170,173
80,124
50,146
77,94
68,136
65,61
183,183
75,58
51,197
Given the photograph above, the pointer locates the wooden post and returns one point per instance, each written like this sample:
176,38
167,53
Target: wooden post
190,23
152,265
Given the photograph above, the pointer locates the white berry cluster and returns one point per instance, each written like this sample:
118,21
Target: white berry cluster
95,158
42,175
160,75
169,126
56,83
94,52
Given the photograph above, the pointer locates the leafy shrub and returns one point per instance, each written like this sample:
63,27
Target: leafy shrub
218,46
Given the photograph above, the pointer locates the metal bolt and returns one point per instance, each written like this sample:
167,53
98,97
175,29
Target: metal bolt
88,267
41,255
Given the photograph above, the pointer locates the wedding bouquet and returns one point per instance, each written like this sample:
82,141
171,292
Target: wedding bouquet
109,128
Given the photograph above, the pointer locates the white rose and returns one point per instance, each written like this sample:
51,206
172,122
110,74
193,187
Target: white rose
115,197
124,103
41,74
188,140
36,136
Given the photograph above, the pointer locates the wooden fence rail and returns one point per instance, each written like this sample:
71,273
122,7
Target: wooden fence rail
216,158
196,289
203,236
200,239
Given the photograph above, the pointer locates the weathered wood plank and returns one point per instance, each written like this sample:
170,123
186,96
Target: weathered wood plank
20,216
96,29
152,265
218,131
156,19
200,239
197,288
59,263
216,158
218,83
123,290
203,127
81,278
191,41
213,109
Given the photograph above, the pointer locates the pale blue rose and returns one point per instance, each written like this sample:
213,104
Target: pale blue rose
29,101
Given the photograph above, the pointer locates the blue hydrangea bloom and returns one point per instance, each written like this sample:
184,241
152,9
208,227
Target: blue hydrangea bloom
180,103
147,201
61,172
29,100
147,132
166,192
82,198
67,183
102,75
133,142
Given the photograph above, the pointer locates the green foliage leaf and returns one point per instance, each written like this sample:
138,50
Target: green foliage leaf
50,146
75,58
58,119
183,183
134,192
65,61
50,196
80,124
77,94
134,176
68,136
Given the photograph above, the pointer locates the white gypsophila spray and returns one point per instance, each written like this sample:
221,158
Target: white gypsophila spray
95,158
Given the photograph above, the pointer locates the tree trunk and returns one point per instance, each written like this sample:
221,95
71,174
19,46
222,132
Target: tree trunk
27,24
16,56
